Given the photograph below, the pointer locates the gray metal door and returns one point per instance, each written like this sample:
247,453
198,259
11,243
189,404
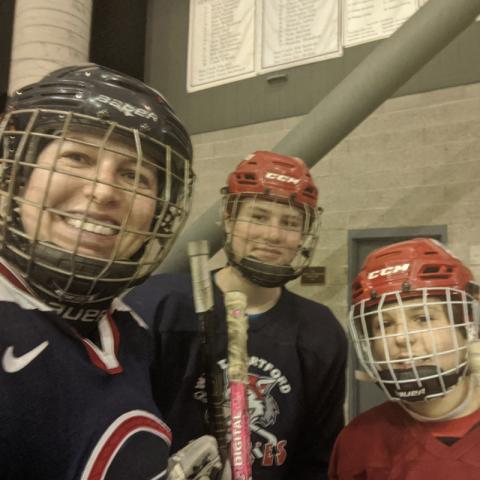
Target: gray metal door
365,395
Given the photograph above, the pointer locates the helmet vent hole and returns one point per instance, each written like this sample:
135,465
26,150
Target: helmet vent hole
128,85
388,254
435,271
247,179
283,164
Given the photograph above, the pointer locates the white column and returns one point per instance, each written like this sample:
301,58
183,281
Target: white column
48,34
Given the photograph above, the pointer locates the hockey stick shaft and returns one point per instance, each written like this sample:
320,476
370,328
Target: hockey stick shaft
237,325
198,252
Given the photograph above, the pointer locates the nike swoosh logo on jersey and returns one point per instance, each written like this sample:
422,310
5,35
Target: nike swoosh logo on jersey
12,364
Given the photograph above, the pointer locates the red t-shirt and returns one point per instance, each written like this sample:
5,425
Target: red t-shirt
450,431
386,443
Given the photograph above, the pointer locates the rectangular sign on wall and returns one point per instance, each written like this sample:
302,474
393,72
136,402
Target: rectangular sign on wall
369,20
230,40
296,33
221,42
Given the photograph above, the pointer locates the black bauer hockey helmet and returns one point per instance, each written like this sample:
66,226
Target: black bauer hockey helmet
106,94
113,107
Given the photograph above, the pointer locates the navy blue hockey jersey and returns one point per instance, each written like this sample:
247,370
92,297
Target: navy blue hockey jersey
296,375
70,409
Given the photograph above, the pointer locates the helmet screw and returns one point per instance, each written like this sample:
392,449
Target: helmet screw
406,286
144,127
103,114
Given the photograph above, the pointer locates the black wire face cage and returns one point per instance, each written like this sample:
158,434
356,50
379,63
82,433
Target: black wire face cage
269,239
415,347
88,208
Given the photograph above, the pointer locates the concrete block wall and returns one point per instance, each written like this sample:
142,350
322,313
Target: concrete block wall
415,161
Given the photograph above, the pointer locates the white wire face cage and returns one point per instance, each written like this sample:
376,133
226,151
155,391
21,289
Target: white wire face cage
270,238
87,204
415,347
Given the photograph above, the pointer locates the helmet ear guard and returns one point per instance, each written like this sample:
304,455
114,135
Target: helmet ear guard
418,274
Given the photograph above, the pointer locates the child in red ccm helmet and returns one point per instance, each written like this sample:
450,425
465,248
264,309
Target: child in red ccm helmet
296,346
414,323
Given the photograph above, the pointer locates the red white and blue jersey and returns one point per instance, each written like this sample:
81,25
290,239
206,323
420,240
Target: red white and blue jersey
385,443
69,408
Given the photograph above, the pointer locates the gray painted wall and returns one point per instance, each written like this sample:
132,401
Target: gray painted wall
415,161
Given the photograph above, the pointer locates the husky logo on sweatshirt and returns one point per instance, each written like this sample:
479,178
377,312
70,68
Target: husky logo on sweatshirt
263,410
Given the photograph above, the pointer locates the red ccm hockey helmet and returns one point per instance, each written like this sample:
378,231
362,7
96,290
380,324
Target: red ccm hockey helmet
275,175
413,313
284,180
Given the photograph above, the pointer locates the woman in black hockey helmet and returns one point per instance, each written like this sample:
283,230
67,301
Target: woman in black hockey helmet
297,348
95,183
414,324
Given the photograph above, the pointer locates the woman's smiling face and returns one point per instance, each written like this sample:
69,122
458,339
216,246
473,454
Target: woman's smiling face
89,200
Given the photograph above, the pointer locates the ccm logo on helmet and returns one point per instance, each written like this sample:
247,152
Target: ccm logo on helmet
388,271
126,108
282,178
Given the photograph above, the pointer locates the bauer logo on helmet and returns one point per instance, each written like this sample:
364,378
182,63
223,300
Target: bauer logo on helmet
127,109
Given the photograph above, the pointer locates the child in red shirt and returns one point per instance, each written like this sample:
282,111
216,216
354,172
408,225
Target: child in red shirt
414,323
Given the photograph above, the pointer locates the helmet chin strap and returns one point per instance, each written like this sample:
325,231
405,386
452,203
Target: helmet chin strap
259,272
458,411
473,384
51,273
474,381
264,274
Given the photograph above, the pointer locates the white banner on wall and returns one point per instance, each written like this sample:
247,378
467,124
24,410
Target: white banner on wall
298,32
369,20
221,42
230,40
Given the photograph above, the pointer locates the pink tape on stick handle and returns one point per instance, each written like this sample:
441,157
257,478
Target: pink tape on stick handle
239,428
237,326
